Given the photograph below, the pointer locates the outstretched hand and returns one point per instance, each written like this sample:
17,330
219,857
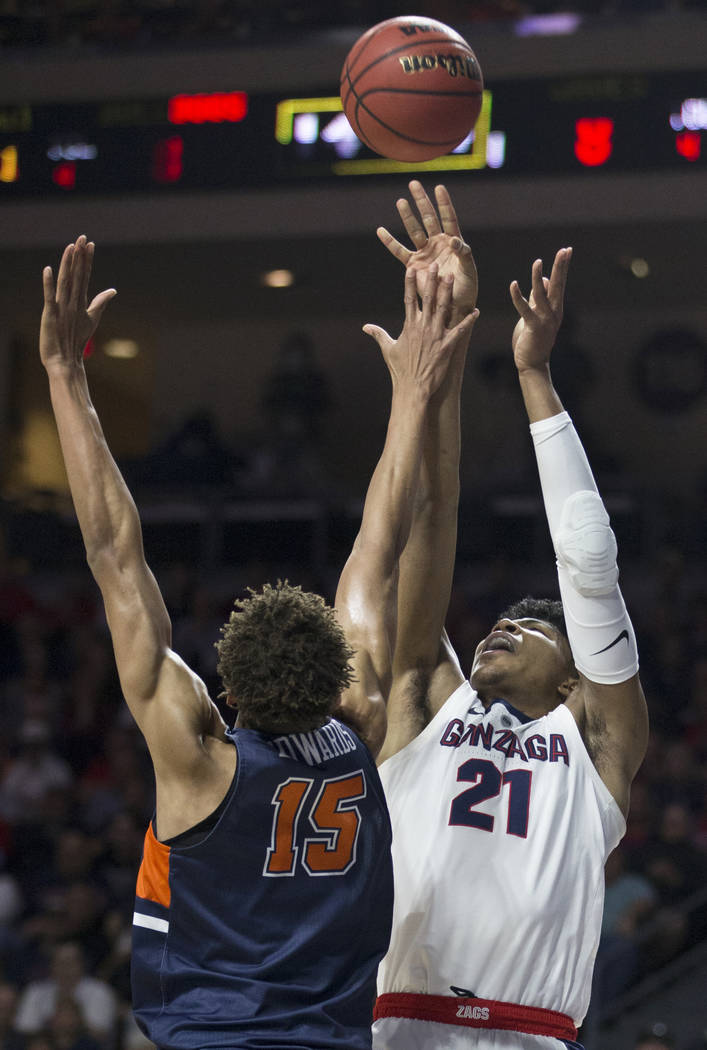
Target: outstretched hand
68,321
540,315
420,356
436,239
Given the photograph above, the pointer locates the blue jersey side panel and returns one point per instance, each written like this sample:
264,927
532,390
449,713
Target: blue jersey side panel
267,934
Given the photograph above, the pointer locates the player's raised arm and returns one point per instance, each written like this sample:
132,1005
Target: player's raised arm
426,670
608,703
366,599
137,617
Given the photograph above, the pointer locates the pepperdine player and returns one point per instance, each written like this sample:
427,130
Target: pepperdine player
264,897
508,791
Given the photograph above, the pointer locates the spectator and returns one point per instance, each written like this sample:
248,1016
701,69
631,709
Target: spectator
677,869
296,394
670,860
695,714
11,907
628,899
68,1027
75,913
193,456
40,1041
10,1038
114,968
680,780
117,780
11,898
294,401
33,773
68,979
120,860
194,636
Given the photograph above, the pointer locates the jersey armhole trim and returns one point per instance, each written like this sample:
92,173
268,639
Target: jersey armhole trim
433,727
605,797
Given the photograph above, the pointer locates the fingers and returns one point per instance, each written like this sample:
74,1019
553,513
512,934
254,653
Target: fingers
538,285
465,326
88,249
73,292
436,297
519,301
379,334
426,209
70,294
428,225
444,297
99,303
415,230
410,294
461,333
48,286
429,293
78,263
558,279
63,281
437,302
450,223
546,293
394,247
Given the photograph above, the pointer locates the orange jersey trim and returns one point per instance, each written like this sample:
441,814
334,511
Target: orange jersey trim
153,876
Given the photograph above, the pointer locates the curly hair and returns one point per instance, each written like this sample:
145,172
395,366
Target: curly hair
545,609
284,658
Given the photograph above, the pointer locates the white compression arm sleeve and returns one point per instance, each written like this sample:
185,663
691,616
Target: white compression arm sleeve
600,632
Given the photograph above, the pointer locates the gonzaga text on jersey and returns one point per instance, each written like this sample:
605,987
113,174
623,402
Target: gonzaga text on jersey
535,747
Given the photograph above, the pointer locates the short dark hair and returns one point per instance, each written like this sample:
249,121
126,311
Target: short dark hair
284,658
546,609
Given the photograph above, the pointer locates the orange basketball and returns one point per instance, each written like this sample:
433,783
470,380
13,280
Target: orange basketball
411,88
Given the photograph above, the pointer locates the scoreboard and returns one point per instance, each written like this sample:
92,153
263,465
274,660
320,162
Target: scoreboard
231,139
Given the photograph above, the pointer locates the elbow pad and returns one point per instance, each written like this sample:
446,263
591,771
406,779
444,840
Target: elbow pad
586,546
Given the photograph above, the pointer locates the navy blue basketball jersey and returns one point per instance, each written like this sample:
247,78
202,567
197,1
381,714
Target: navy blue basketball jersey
268,932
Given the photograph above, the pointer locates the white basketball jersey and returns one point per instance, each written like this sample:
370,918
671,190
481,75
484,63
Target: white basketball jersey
501,827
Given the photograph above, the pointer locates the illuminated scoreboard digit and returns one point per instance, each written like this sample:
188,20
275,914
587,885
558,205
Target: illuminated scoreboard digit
229,139
9,167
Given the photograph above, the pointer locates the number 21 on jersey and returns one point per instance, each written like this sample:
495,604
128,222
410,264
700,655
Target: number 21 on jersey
488,783
333,816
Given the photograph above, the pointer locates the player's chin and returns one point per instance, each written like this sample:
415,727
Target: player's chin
485,670
478,676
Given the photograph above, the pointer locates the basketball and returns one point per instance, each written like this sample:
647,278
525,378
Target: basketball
411,88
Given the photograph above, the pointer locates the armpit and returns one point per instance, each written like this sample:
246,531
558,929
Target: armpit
604,751
409,703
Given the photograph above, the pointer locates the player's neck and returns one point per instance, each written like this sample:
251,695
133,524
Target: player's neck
530,708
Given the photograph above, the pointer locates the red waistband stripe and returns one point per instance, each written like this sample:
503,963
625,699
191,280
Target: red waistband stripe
476,1013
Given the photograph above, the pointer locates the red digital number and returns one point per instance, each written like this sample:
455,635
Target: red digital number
592,144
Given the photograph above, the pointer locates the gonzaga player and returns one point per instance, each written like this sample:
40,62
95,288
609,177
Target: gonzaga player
508,791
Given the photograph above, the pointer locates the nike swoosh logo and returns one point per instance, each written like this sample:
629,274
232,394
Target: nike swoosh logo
624,634
463,993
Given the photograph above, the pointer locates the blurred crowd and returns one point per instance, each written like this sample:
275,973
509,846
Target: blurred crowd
76,791
140,23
